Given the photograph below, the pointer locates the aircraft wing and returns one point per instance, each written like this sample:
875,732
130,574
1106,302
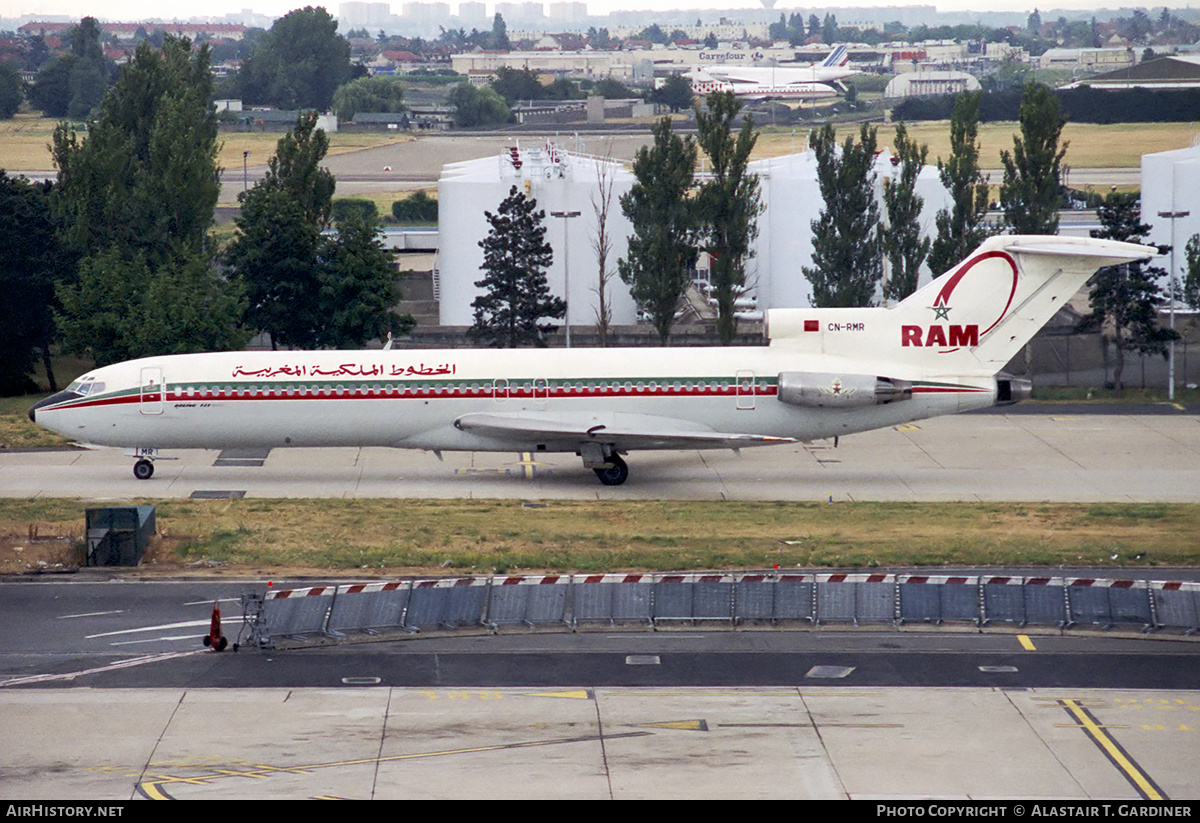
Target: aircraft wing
620,430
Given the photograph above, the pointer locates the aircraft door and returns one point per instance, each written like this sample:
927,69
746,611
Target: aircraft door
153,390
541,391
500,390
746,385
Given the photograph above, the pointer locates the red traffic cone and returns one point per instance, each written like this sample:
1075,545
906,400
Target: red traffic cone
214,639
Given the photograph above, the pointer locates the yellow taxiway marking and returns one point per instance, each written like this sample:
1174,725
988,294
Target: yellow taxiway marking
573,694
1026,643
678,725
1133,773
907,427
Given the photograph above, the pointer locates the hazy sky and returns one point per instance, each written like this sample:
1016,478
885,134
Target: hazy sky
210,9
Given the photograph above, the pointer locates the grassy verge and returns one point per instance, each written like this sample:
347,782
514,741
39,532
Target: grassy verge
389,537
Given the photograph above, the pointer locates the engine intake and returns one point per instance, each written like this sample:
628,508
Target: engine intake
840,391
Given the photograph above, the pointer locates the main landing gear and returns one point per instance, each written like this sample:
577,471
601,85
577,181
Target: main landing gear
143,469
615,473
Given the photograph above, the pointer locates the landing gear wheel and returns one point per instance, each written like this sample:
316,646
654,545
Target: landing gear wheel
143,470
614,475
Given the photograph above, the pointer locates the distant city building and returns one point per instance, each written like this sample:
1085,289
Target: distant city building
521,14
472,15
127,32
568,12
370,16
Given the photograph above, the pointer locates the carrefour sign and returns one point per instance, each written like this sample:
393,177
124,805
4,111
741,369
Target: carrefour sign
730,56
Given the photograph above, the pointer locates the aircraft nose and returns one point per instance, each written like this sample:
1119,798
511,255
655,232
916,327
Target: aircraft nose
50,401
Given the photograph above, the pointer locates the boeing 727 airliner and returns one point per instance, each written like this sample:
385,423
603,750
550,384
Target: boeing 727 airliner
823,373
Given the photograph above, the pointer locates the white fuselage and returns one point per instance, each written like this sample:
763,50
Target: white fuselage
782,82
411,398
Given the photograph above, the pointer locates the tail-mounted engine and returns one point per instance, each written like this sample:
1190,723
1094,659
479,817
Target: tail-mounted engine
1011,389
840,391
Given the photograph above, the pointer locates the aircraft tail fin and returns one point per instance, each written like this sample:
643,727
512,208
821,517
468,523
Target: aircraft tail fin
974,318
837,58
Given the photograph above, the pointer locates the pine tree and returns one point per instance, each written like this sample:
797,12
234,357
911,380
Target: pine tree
905,245
727,203
516,298
1032,189
1125,298
847,250
962,227
662,249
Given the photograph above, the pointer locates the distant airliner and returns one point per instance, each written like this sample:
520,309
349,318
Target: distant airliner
823,373
811,82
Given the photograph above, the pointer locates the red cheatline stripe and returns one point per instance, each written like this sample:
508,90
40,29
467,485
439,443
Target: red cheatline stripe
395,392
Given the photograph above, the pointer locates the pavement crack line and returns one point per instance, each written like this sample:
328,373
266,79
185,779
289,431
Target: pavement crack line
600,737
142,778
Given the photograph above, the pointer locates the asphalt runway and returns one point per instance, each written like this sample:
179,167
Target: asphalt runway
1060,454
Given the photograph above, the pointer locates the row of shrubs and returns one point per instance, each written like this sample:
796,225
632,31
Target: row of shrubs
417,208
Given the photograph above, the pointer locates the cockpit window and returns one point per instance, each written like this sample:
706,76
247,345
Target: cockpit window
85,386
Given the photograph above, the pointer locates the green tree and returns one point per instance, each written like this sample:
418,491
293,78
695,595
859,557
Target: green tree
12,90
962,227
1031,193
500,34
278,251
675,93
74,84
1125,298
368,94
299,63
135,201
478,107
518,84
516,299
359,287
1190,288
26,281
727,204
662,249
905,245
418,207
122,307
847,254
145,176
348,208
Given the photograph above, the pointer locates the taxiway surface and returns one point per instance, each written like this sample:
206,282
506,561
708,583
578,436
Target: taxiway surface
1061,454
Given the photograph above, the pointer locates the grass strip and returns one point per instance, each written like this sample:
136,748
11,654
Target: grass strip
395,537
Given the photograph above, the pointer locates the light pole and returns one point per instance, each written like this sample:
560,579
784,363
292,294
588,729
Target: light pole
1172,216
245,170
566,215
